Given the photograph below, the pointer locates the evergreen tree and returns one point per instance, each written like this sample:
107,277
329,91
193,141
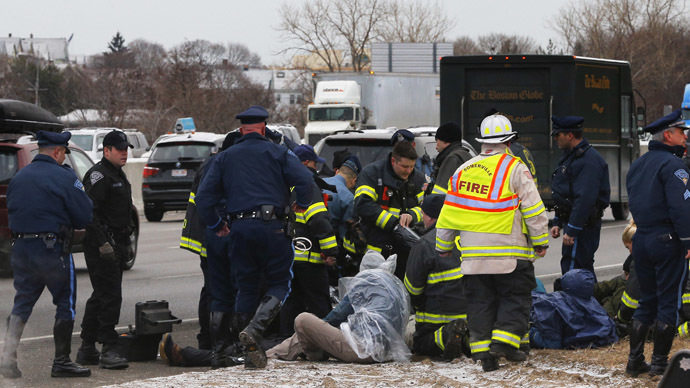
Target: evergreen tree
117,44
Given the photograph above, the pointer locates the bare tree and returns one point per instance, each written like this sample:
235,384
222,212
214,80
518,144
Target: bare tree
414,21
496,43
465,45
148,56
239,55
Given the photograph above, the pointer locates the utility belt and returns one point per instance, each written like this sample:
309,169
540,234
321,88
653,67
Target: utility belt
49,238
563,213
265,214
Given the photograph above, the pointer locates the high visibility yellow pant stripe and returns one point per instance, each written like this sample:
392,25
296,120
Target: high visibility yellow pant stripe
686,298
438,338
683,330
506,337
525,339
191,197
630,302
421,316
479,346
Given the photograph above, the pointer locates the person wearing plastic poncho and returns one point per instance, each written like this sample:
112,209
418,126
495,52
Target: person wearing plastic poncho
366,326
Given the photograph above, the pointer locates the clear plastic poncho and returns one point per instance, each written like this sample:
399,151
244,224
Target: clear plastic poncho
381,306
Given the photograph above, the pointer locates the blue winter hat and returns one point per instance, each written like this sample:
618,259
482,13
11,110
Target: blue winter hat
52,139
673,120
402,134
432,205
353,162
566,124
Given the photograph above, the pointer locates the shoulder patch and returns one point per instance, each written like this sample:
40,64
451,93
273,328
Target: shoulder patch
78,185
95,177
528,175
682,175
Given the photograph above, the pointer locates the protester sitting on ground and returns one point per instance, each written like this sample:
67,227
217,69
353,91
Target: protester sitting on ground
620,296
436,292
571,318
366,326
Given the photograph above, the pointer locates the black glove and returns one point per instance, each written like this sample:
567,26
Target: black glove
405,235
107,252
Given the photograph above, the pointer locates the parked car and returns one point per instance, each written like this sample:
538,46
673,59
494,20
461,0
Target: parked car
90,139
169,171
288,130
374,144
17,149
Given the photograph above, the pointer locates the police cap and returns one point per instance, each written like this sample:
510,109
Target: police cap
52,139
672,120
306,152
353,162
566,124
255,114
432,205
116,139
402,134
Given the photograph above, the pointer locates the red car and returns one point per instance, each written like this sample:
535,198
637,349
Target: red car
18,122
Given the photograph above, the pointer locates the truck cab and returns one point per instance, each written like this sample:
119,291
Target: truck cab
336,107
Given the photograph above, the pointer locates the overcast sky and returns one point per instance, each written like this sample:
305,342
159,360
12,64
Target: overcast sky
252,22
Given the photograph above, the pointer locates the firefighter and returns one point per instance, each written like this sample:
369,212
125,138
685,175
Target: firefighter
315,248
451,155
388,195
493,203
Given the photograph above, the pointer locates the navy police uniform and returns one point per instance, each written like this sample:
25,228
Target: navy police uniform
255,176
659,195
581,191
45,202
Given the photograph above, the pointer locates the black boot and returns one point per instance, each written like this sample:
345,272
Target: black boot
88,354
250,336
220,327
508,352
638,336
489,362
110,359
8,360
663,340
62,364
454,336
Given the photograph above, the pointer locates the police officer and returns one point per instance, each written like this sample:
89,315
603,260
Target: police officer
435,287
106,248
660,203
388,195
493,203
315,248
254,176
451,155
217,297
341,206
580,190
45,202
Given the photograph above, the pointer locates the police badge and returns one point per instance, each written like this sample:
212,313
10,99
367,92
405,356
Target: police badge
682,175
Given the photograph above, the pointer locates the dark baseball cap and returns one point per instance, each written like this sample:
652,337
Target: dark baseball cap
116,139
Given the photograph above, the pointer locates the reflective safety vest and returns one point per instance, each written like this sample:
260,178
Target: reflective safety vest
479,197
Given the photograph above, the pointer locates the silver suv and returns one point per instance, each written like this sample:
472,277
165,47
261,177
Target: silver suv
90,139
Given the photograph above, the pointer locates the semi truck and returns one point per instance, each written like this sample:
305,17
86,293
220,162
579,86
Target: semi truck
529,89
345,101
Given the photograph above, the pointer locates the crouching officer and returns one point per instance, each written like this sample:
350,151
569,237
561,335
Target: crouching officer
105,250
581,191
45,202
660,203
255,177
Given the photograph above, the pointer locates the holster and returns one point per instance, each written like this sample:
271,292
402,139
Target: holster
289,223
267,213
66,234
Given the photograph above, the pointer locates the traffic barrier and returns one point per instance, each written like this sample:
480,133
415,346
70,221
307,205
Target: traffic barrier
134,170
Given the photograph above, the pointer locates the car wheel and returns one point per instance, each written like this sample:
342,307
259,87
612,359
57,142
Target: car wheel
132,249
620,210
153,215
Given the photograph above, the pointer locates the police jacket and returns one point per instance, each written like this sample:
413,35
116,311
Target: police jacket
434,283
381,196
44,196
445,165
315,225
111,194
580,184
342,204
251,173
658,191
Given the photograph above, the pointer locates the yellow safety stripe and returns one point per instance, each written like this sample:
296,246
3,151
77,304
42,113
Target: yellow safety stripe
506,337
191,197
683,330
194,245
366,190
445,276
533,211
394,210
349,246
306,256
479,346
686,298
438,338
299,217
384,218
421,316
412,289
496,251
315,208
328,243
373,248
525,339
439,190
630,302
417,213
420,197
540,240
443,245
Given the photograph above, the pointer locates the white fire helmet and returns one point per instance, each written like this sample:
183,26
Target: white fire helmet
495,129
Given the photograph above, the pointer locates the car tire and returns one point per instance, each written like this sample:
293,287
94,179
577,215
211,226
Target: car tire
153,215
132,249
621,210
